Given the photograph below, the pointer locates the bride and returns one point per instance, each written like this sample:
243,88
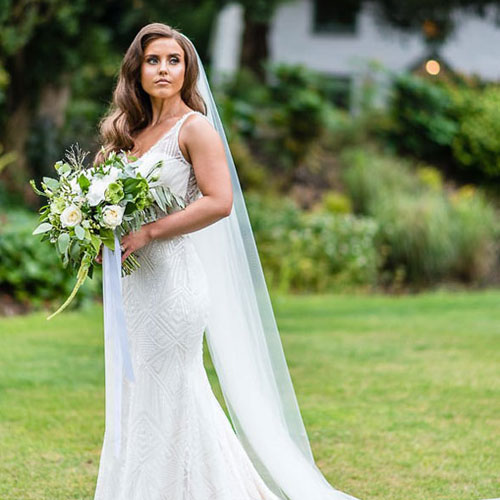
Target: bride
166,436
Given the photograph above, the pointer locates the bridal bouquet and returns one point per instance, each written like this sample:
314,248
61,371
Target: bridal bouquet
88,207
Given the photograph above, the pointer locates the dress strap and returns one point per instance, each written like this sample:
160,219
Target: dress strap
183,119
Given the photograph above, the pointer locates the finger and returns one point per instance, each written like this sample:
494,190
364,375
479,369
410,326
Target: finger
125,254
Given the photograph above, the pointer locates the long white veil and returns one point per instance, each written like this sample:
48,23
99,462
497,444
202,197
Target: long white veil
246,350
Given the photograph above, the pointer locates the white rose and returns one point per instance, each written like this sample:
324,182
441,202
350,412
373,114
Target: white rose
96,191
112,215
71,216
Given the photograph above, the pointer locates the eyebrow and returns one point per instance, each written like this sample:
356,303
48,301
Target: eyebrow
169,55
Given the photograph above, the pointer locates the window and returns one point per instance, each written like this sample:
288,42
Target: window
335,16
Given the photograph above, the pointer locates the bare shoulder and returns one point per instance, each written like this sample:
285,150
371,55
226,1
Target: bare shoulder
197,134
195,126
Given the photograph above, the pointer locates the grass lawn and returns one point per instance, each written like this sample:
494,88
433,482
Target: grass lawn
400,395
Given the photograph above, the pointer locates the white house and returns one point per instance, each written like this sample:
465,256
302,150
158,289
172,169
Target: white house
301,32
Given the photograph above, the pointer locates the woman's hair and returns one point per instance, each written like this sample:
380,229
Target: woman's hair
130,109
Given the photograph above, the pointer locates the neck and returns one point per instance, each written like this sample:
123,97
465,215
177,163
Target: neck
166,108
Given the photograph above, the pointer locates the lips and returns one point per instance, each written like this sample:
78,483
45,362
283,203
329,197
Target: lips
162,81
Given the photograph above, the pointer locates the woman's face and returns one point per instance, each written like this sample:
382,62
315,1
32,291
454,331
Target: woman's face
163,60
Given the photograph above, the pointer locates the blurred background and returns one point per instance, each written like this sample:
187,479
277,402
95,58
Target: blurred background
366,134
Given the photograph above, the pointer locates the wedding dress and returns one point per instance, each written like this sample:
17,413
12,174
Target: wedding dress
177,443
166,436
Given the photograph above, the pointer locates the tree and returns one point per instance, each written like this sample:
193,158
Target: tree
48,47
257,17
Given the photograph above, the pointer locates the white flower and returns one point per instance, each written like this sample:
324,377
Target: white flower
96,191
75,187
71,216
112,215
99,185
113,174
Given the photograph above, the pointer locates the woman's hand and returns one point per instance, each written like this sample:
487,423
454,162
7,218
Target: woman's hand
131,242
135,240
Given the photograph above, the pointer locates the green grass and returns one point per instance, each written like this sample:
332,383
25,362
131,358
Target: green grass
400,395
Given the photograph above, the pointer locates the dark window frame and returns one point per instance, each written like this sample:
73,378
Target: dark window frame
326,15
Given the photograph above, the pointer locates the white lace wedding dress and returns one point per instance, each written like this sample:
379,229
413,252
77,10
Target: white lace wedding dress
177,443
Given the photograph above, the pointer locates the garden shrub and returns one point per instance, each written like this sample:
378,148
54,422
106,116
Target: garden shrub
430,176
448,123
423,117
476,145
312,251
424,234
335,202
475,235
417,233
285,117
367,174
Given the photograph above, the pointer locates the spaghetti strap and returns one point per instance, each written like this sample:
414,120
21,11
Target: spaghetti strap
178,125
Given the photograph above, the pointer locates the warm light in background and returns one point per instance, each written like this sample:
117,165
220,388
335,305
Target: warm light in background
432,67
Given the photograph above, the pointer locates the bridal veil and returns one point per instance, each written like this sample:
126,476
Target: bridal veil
246,350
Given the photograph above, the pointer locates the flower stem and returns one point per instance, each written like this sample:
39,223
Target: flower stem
81,276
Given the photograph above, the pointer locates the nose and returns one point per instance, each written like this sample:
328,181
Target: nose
163,66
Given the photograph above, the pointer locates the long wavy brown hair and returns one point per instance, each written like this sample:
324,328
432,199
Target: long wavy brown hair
130,110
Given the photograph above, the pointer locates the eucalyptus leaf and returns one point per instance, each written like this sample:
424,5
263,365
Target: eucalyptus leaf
75,250
79,232
42,228
64,168
63,242
51,183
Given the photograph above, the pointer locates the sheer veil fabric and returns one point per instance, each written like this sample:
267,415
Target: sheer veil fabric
245,346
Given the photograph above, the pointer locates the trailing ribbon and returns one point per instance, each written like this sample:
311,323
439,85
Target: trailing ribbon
115,336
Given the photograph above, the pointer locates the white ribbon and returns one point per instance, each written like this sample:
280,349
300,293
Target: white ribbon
115,335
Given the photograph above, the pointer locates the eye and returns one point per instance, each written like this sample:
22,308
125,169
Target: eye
175,60
149,59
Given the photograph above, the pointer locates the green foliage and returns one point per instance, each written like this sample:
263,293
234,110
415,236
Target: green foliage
58,65
336,202
424,123
367,176
297,91
30,269
416,233
448,123
431,177
312,251
476,146
424,234
251,173
284,118
476,234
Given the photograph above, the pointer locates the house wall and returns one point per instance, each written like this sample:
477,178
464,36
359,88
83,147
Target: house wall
473,48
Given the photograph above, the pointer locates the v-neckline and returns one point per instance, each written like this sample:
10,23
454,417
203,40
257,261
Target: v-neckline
162,137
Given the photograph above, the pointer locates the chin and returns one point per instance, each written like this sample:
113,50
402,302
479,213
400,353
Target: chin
163,92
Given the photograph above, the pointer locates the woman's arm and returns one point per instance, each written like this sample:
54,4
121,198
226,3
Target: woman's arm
205,152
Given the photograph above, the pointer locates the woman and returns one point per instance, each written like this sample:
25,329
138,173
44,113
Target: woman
199,272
